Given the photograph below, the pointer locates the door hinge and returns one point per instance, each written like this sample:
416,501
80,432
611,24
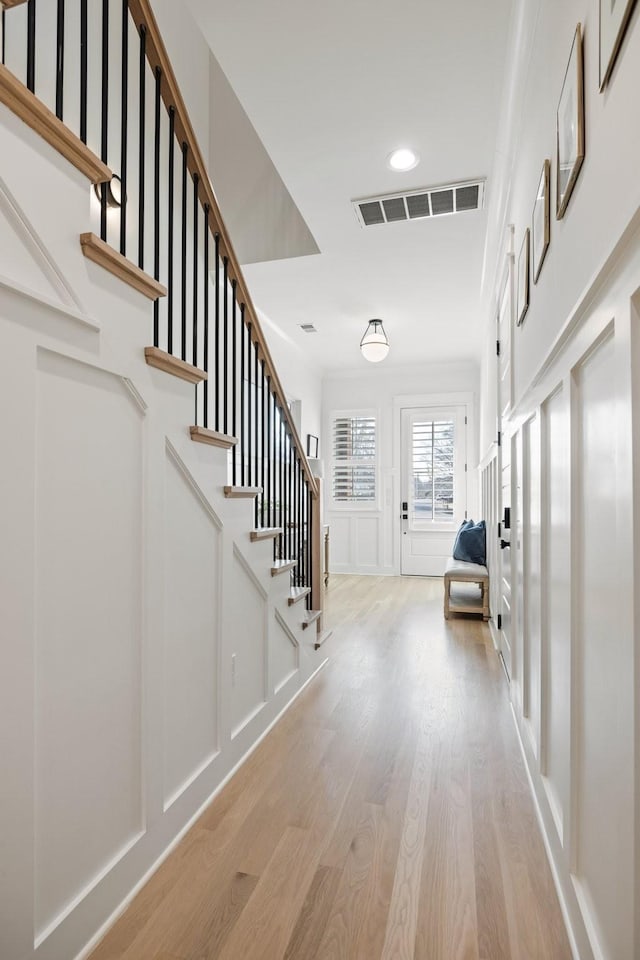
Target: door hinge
499,530
465,421
497,348
465,468
499,621
499,439
465,514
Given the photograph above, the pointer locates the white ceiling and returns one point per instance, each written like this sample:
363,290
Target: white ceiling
331,89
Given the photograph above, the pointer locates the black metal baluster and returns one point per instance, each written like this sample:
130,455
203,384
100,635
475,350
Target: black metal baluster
269,491
141,112
263,418
225,352
258,425
291,514
234,370
283,520
31,45
298,476
195,285
104,132
170,218
309,545
242,435
196,205
83,69
205,386
156,208
249,447
60,59
124,116
216,343
183,287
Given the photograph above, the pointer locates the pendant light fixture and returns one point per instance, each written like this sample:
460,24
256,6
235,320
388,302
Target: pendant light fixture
374,344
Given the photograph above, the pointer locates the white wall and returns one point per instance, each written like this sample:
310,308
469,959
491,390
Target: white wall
573,434
608,189
301,378
257,207
368,541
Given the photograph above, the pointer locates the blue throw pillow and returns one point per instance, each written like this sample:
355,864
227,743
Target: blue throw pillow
471,542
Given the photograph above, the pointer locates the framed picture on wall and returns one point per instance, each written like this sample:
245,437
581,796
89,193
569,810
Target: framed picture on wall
614,18
540,222
523,279
312,446
570,126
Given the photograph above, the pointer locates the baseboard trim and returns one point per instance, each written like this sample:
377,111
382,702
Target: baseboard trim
120,909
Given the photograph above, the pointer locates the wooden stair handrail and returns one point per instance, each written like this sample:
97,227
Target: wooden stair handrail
158,57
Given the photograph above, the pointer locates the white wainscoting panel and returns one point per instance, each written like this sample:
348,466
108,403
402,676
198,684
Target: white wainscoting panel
248,613
340,527
88,801
284,652
192,629
532,538
604,697
557,603
367,542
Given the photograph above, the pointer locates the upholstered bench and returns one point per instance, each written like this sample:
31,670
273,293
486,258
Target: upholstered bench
459,571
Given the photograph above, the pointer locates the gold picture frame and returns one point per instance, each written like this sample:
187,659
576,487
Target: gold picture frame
541,221
570,126
522,296
614,20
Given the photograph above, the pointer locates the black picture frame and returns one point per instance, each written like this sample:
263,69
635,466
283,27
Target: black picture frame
312,446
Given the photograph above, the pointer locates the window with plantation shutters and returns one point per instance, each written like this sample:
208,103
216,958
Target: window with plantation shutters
432,470
354,459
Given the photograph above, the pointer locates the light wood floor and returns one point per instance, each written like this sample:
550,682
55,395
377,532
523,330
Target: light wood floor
386,817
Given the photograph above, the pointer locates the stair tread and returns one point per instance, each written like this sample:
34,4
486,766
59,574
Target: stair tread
120,266
232,492
158,358
264,533
322,638
298,593
280,566
310,617
212,437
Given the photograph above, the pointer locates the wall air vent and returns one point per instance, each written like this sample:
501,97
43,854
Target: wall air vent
418,204
307,327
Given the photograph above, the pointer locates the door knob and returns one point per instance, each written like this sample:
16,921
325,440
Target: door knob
504,544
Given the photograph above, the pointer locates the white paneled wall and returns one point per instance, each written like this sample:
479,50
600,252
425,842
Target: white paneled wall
575,486
145,647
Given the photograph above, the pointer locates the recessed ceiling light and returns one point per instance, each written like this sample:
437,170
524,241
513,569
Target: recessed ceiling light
403,159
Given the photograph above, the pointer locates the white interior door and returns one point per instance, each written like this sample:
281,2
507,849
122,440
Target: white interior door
433,486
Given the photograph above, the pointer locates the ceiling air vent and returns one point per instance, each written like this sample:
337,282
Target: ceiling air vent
417,204
307,327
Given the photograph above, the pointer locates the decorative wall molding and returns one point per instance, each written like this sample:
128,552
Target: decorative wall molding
18,220
204,501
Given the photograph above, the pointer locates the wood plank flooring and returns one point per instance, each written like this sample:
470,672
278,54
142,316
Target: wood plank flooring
386,817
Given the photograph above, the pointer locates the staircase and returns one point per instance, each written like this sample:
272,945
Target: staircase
176,564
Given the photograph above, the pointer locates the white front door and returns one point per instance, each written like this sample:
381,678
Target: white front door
433,486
